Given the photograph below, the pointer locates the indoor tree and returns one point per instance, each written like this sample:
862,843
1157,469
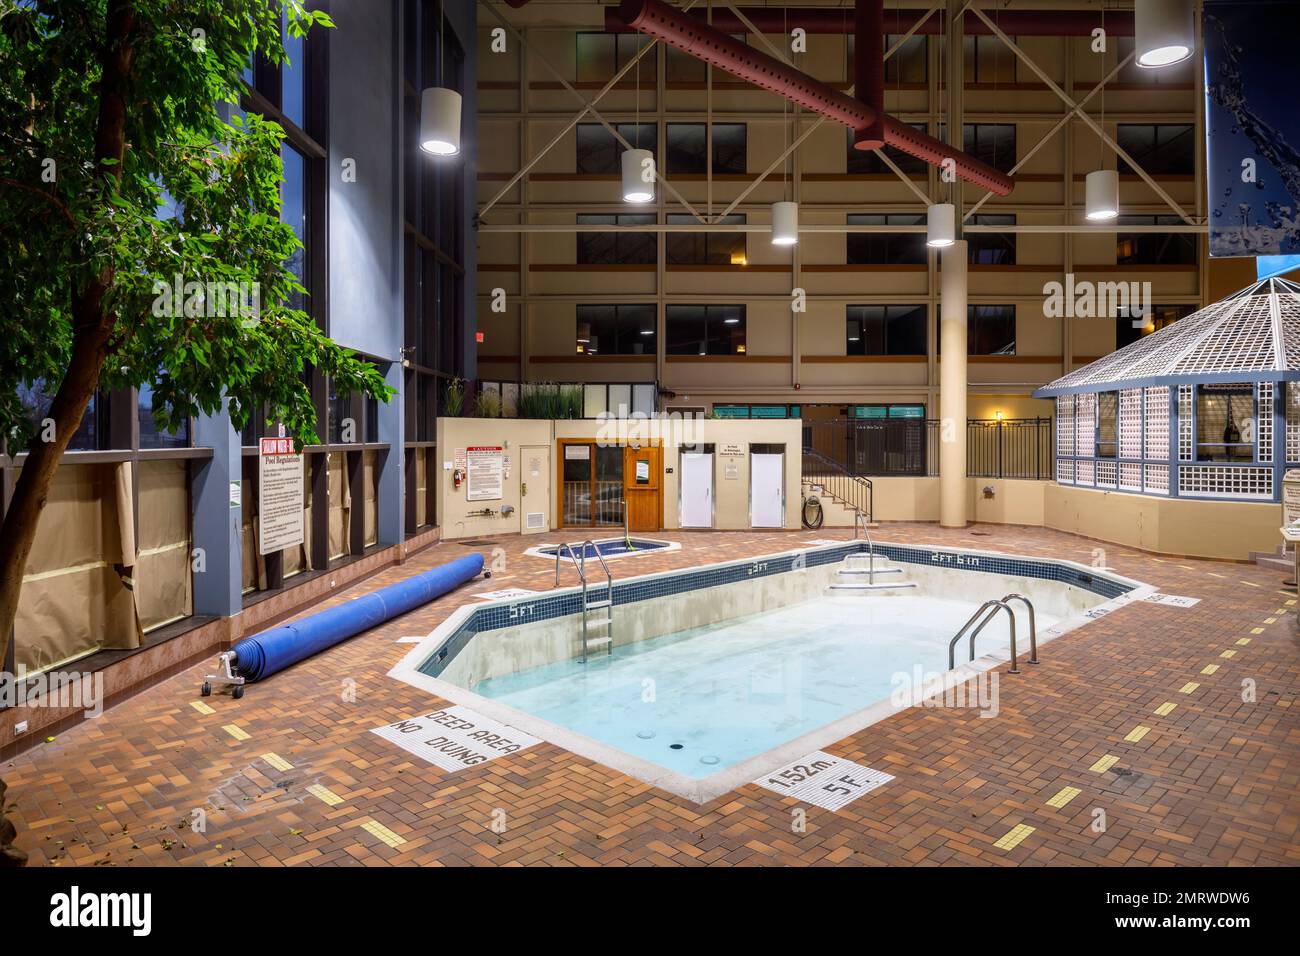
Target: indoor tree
127,173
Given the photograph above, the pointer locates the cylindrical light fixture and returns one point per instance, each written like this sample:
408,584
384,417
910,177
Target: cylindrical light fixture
1101,195
638,167
785,223
1163,31
440,121
941,225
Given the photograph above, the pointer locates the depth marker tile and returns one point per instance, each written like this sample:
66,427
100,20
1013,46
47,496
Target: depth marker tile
823,780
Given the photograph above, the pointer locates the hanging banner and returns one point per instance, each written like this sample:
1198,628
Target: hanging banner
1252,127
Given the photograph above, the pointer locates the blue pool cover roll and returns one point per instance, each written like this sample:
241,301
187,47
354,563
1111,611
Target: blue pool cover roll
273,650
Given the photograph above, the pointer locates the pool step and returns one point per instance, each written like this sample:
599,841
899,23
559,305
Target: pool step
592,605
598,622
867,571
848,590
599,641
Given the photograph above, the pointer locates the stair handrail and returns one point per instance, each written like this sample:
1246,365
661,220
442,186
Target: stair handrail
992,606
839,471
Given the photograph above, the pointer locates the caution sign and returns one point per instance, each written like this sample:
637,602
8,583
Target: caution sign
486,472
279,496
455,738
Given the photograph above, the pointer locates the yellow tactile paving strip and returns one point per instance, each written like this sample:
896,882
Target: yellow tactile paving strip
1214,782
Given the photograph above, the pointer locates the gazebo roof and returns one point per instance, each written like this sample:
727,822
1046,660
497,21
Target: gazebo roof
1253,335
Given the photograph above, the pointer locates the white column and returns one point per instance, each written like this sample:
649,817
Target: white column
952,387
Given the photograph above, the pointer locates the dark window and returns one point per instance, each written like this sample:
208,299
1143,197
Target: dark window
886,248
293,211
885,330
992,143
991,330
683,68
1128,329
1107,424
868,160
907,65
686,148
1225,422
615,329
705,248
600,55
606,248
89,434
293,94
986,59
705,329
992,248
1161,149
1154,248
151,433
598,150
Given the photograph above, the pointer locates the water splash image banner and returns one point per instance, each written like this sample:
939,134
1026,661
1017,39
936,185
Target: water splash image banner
1253,127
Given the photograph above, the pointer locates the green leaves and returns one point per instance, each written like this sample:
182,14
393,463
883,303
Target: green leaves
193,212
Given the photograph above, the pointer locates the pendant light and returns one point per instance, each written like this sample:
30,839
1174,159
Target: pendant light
940,225
638,166
1101,195
1164,32
440,111
785,223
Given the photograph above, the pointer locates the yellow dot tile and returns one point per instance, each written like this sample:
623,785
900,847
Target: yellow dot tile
1104,764
1187,688
1270,620
375,828
1257,630
1228,654
1014,837
1165,709
1209,668
325,794
236,731
1280,611
1064,796
276,761
1243,641
201,707
1137,733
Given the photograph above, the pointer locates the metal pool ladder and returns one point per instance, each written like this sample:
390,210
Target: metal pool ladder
992,608
588,605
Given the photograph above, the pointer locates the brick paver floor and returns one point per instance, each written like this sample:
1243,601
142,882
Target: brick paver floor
292,775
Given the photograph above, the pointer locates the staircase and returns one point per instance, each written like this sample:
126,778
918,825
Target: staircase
842,494
856,577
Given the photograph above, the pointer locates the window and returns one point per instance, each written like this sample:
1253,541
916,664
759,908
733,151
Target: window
151,433
758,411
992,248
615,330
598,56
986,59
1161,149
1225,422
705,329
598,151
1154,248
867,160
1107,424
885,330
705,248
90,433
992,143
1128,329
686,148
623,248
906,66
991,330
886,248
684,69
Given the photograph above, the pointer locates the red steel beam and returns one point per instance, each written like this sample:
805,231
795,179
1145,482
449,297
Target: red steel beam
869,68
1025,23
689,35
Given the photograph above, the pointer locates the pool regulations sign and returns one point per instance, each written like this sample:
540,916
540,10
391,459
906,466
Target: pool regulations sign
279,496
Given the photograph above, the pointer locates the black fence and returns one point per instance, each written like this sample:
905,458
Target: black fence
882,447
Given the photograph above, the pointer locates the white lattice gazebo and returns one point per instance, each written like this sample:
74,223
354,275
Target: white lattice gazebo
1196,410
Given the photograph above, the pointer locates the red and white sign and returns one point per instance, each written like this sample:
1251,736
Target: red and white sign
486,472
278,446
279,496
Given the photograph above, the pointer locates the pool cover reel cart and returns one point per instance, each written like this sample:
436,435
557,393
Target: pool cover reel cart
263,655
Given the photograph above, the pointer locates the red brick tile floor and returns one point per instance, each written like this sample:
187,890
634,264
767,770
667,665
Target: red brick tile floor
1214,781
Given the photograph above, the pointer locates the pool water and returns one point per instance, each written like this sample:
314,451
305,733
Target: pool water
702,700
608,549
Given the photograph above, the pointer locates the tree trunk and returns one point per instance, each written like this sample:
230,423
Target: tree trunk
92,328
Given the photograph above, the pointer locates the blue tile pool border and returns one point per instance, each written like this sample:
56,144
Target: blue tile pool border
511,613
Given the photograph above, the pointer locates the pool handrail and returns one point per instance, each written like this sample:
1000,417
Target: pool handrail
992,606
1033,627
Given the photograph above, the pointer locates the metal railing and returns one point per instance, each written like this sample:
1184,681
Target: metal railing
854,491
1011,448
992,608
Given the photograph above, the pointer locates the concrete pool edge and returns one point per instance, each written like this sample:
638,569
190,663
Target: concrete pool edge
703,790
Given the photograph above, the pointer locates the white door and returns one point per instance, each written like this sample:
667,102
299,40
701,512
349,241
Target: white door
697,490
534,489
767,491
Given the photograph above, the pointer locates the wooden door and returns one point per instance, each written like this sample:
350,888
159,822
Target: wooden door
642,487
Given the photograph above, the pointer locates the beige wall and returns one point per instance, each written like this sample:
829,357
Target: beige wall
731,495
534,339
